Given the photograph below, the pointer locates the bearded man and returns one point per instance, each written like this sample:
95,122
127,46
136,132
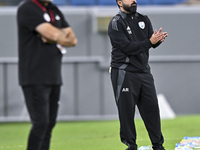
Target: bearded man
131,35
43,33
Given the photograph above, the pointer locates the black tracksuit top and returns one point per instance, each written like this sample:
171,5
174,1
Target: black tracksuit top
129,36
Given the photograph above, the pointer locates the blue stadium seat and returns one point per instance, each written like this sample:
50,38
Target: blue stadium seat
144,2
82,2
107,2
60,2
182,1
165,2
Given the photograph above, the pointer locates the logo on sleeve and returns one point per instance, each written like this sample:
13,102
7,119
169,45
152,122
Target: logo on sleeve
57,17
141,24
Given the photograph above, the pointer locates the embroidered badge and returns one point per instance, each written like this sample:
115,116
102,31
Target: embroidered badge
141,24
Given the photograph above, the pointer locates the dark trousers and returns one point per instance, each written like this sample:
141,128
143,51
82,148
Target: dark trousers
42,105
131,89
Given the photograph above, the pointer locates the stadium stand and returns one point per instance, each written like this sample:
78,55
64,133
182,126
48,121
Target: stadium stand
86,79
165,2
82,2
113,2
182,1
9,2
193,2
60,2
106,2
144,2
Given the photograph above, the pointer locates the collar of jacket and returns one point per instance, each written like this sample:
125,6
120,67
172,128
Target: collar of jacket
50,5
124,15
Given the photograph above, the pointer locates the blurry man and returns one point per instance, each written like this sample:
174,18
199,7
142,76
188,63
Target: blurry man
42,33
131,37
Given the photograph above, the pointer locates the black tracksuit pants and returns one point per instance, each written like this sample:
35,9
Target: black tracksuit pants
131,89
42,105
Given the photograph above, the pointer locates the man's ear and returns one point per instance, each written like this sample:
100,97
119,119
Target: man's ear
119,3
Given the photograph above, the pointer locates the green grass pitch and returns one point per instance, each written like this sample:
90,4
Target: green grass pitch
98,135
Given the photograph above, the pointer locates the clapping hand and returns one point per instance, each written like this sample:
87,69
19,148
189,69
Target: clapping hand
158,36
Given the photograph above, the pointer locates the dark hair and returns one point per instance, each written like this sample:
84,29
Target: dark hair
117,3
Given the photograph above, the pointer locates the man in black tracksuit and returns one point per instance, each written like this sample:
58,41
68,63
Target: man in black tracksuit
131,37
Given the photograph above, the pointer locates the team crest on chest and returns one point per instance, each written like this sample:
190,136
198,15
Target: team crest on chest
47,17
141,24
